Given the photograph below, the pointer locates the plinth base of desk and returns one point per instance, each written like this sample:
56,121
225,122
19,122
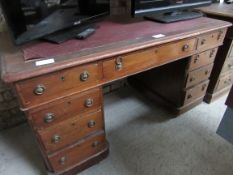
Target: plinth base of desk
95,159
209,98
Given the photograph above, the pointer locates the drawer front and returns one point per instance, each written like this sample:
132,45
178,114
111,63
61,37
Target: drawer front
211,40
199,75
48,87
135,62
230,54
53,113
195,92
77,153
202,59
70,131
228,65
225,81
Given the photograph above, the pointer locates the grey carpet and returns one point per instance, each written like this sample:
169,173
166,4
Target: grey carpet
144,140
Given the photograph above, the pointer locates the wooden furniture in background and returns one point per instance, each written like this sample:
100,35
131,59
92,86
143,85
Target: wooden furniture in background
221,78
64,100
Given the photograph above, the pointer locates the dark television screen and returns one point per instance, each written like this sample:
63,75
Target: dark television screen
31,19
143,7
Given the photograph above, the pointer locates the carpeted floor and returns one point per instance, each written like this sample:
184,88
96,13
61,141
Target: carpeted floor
144,140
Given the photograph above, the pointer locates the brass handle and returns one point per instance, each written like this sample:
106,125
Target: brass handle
219,35
185,47
204,87
39,90
56,139
119,64
191,79
49,117
95,144
91,123
212,53
196,59
203,41
62,160
89,102
84,76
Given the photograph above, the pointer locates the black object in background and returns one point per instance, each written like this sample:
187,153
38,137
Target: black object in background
32,19
167,10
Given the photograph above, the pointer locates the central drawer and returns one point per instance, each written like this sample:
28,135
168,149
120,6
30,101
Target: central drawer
38,90
70,131
132,63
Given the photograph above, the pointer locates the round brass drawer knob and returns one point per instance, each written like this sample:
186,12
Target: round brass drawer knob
49,117
91,124
119,63
203,42
95,144
192,79
56,139
185,47
39,90
89,102
62,160
84,76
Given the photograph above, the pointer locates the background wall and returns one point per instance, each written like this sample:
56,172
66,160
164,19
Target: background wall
10,115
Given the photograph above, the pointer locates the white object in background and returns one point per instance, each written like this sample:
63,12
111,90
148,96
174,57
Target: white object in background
44,62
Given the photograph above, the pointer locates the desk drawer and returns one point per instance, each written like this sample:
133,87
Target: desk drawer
202,59
77,153
48,87
70,131
53,113
195,92
211,40
137,61
228,65
225,81
198,75
230,53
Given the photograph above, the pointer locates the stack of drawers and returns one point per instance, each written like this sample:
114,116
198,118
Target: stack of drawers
181,85
66,117
222,76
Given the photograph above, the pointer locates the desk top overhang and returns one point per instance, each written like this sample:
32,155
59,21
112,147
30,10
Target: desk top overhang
14,68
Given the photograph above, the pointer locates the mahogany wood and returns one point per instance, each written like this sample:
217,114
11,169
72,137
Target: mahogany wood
198,75
62,88
210,40
196,92
202,59
151,57
78,153
71,130
225,81
64,108
221,68
57,84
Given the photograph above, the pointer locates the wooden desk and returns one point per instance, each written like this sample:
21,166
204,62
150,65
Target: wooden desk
222,75
64,101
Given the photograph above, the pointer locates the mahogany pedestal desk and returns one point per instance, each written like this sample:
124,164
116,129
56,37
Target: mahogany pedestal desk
221,78
63,100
